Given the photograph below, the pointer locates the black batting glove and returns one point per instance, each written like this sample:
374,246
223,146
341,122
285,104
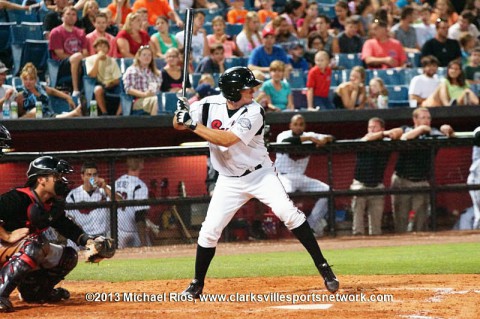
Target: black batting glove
182,104
184,118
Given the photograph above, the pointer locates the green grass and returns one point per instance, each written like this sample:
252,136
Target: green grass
422,259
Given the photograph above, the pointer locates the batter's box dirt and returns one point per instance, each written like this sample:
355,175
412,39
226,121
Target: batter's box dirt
413,297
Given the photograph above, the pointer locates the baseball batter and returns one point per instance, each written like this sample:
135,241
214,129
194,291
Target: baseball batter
292,167
474,178
233,124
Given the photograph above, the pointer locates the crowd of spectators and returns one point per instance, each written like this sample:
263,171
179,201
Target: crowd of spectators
383,34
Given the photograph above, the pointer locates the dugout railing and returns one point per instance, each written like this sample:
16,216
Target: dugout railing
335,167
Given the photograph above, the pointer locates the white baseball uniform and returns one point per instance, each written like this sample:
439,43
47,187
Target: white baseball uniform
245,169
130,188
474,178
93,221
291,169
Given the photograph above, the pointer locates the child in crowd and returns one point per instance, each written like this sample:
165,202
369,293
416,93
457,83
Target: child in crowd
467,43
266,13
205,87
296,58
318,83
378,94
106,71
226,40
472,70
277,91
237,13
215,62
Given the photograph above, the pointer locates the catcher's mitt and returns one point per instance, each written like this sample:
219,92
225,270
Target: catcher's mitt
99,248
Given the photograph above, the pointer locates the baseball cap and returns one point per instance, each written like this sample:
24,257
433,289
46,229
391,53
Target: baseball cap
267,32
3,68
295,45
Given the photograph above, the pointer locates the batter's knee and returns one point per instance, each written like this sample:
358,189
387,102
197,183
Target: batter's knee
292,217
208,239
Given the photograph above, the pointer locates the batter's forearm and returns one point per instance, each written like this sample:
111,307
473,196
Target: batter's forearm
217,137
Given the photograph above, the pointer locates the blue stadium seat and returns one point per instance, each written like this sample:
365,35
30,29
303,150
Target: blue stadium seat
103,3
233,29
53,68
323,2
338,76
5,35
348,60
235,61
160,63
397,96
35,51
297,79
125,63
299,98
20,16
391,76
196,78
58,105
168,102
414,59
33,30
327,10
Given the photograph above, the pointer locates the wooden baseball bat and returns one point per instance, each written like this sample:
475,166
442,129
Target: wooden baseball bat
187,45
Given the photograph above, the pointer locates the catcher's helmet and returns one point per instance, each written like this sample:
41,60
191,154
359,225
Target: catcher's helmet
235,79
46,165
4,138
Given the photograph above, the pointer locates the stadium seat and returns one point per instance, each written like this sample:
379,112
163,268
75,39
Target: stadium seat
235,61
327,10
414,59
5,35
348,60
299,98
297,79
58,105
53,68
391,76
323,2
233,29
167,102
160,63
20,16
338,76
103,3
35,51
397,96
125,63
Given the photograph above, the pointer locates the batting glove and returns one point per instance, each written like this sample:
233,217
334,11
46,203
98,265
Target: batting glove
184,118
182,104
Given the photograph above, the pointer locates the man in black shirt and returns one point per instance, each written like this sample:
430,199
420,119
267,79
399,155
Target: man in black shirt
444,49
413,169
369,171
349,41
54,18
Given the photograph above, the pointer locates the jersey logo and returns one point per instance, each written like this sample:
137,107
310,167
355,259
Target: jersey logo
217,124
244,123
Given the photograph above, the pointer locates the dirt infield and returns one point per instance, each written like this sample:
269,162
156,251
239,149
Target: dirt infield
403,296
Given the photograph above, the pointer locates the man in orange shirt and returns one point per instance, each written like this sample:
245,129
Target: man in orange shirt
158,8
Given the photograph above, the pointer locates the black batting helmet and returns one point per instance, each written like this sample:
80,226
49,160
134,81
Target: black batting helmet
5,138
46,165
235,79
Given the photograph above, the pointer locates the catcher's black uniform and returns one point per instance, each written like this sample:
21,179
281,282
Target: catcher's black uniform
33,264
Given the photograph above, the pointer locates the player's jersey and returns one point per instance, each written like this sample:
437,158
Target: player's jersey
130,187
93,221
291,163
247,123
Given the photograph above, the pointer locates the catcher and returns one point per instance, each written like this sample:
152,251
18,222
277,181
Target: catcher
28,260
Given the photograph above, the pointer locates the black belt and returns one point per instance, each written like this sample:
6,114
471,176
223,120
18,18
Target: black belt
249,171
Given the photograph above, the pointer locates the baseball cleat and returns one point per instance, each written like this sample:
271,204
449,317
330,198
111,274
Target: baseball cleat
331,282
58,294
194,289
5,305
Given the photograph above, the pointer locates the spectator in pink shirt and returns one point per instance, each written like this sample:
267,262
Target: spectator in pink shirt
101,24
68,45
381,51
